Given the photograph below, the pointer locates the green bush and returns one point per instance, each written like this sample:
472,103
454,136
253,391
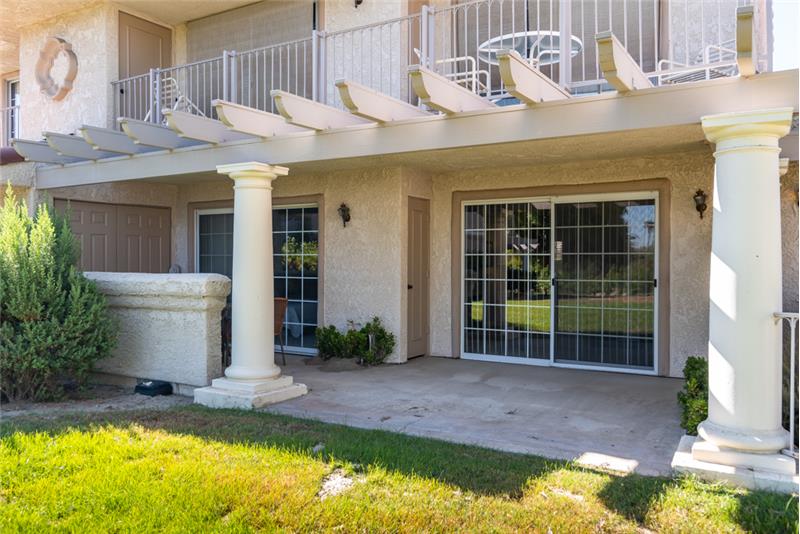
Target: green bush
694,396
53,321
355,342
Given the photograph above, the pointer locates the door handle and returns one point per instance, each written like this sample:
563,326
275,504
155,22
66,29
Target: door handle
410,286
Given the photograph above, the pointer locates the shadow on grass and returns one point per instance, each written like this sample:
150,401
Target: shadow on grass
470,468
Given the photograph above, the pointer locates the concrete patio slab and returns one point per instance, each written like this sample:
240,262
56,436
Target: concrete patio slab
611,420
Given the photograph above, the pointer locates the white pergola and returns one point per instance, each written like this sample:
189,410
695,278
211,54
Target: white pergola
743,430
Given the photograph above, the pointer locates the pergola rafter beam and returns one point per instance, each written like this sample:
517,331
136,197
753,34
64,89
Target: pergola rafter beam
74,146
155,135
192,126
373,105
526,83
442,94
619,69
309,114
40,151
252,121
108,140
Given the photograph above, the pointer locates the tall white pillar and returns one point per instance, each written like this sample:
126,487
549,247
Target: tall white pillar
253,379
744,428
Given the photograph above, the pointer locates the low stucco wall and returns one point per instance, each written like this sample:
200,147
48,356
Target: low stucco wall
169,325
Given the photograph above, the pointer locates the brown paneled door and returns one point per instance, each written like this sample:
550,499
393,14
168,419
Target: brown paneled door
95,227
134,239
418,274
143,239
142,46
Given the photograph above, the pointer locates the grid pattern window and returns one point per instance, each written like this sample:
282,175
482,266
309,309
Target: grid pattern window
507,279
295,245
295,242
215,243
605,291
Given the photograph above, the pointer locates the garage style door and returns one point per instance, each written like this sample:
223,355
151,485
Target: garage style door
134,239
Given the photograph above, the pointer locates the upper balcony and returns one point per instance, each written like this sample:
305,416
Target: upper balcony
671,42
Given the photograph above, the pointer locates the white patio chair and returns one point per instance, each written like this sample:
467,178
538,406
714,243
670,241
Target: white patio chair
173,98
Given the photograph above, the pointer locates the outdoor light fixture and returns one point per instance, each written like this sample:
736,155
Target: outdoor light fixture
344,213
700,202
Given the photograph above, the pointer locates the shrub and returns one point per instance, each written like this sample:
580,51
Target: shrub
382,345
694,396
355,342
53,322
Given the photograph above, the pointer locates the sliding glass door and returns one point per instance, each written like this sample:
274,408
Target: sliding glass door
566,282
507,280
605,283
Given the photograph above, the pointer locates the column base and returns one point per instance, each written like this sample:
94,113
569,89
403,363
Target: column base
771,472
248,394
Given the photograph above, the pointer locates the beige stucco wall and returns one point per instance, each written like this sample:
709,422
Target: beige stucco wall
690,237
92,32
364,265
169,325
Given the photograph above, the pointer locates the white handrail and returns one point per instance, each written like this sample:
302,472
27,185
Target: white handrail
791,318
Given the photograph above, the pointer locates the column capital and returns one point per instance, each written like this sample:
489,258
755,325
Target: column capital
759,124
252,169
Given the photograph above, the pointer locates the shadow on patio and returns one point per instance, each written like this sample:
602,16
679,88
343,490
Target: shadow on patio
624,422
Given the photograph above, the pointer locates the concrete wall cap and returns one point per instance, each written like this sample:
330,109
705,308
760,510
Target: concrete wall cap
181,285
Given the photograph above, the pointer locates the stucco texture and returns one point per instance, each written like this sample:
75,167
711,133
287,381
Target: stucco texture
169,325
89,31
364,264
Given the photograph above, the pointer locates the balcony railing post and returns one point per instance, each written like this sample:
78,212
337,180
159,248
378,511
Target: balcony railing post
427,35
232,71
565,43
225,77
314,65
154,95
318,66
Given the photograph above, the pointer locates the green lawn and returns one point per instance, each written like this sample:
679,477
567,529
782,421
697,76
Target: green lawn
595,315
192,469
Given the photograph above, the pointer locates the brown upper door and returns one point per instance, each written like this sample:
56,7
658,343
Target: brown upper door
142,46
418,260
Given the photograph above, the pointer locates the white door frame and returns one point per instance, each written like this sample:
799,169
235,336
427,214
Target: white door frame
553,200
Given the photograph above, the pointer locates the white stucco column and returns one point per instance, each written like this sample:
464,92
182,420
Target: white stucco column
743,428
253,379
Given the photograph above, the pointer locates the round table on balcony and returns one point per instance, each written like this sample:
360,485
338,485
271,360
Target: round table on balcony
538,47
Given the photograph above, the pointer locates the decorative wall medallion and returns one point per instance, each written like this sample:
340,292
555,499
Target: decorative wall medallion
53,47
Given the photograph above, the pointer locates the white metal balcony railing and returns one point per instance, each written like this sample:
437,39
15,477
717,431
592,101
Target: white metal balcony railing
9,128
790,382
671,42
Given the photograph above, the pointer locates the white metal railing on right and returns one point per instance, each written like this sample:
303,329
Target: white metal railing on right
9,129
673,42
790,319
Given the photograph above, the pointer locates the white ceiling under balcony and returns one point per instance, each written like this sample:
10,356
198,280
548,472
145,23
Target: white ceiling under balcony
16,14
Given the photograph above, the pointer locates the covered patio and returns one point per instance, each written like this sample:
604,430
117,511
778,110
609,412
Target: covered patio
620,422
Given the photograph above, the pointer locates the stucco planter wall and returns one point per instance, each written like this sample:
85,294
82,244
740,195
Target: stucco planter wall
169,325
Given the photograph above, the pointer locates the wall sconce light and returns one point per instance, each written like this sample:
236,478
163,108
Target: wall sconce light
358,3
700,202
344,213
